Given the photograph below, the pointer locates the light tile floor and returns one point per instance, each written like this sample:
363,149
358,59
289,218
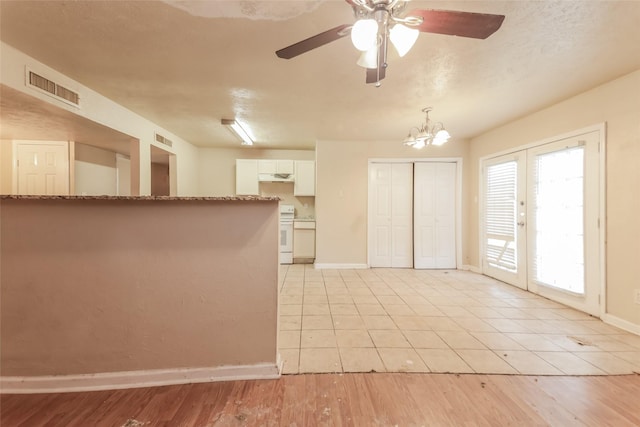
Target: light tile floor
402,320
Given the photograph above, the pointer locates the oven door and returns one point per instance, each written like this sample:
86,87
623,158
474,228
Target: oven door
286,236
286,242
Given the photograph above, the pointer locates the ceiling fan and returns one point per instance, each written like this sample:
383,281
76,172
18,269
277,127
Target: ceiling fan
380,21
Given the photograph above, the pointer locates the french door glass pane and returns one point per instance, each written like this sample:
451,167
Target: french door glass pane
500,215
558,208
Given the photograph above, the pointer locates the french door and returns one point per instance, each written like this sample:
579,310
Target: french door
504,210
541,220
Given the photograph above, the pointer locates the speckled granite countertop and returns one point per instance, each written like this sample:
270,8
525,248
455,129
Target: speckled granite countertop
215,199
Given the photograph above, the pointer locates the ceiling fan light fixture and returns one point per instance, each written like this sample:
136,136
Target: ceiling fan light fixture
364,34
403,38
381,21
369,58
238,130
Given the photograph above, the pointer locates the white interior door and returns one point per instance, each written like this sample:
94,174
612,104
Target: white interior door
541,220
42,168
503,219
390,230
434,215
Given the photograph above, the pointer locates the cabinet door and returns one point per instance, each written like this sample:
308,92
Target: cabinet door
284,166
267,166
247,177
304,243
305,178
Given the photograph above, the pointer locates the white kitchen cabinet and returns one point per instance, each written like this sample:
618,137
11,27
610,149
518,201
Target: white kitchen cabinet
284,166
247,177
266,166
270,166
304,240
305,178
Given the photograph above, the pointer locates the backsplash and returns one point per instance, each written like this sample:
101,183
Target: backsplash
305,205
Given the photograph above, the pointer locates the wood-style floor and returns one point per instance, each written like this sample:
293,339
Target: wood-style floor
370,399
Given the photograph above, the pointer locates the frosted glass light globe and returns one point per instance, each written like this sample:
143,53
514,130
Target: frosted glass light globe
364,34
403,38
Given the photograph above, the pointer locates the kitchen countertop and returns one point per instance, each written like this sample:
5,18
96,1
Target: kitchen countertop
153,198
305,219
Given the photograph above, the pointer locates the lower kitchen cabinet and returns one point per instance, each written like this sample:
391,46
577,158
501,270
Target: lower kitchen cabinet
304,241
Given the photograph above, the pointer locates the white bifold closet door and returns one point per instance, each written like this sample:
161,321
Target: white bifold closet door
434,215
412,215
392,220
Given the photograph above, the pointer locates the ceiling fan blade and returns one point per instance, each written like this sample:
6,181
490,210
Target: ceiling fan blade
314,42
455,23
372,74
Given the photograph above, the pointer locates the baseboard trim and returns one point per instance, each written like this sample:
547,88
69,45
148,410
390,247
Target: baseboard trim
621,323
135,379
471,268
340,266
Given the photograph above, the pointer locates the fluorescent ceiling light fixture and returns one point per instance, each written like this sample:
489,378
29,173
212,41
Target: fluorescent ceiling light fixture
238,130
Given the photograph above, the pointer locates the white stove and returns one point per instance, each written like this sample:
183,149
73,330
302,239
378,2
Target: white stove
287,212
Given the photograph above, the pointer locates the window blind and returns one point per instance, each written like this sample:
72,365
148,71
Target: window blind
500,215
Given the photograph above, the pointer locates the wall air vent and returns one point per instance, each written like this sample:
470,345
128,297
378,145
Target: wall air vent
162,140
52,88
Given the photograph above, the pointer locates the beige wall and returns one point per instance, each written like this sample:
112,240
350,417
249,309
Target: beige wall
217,176
342,193
6,168
618,104
93,286
95,171
106,112
160,182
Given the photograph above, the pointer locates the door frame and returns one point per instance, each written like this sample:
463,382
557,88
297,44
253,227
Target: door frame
154,151
458,213
601,128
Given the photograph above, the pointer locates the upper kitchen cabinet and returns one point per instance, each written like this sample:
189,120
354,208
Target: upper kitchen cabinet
247,177
305,178
275,166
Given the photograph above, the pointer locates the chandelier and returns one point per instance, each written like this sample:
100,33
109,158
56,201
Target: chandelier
427,134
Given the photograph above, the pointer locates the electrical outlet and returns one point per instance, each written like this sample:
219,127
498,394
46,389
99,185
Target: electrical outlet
636,298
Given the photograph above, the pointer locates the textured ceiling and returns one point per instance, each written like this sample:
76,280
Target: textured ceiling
187,64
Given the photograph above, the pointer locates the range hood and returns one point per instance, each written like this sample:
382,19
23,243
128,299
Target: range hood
275,177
